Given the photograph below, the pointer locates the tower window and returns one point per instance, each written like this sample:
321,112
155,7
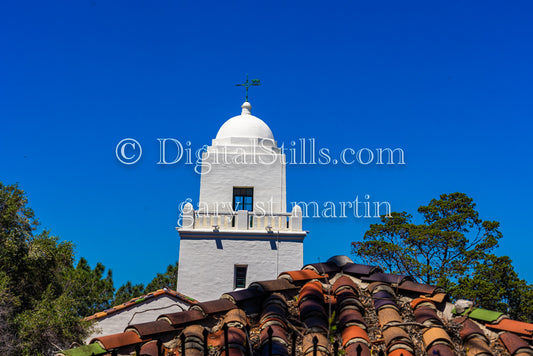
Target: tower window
243,199
240,276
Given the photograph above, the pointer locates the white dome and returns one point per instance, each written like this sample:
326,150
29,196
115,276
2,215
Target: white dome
245,125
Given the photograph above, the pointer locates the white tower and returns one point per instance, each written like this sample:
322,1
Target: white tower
241,231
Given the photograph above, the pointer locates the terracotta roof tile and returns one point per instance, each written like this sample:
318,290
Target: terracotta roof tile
236,336
438,298
323,344
236,317
355,334
150,349
469,329
312,290
117,340
353,349
424,314
476,346
419,288
316,324
274,310
181,318
382,299
242,295
517,327
344,283
380,286
340,260
440,350
214,306
400,352
395,334
275,285
514,344
154,327
389,315
359,270
278,333
302,275
194,331
312,307
350,317
323,268
420,302
386,277
435,335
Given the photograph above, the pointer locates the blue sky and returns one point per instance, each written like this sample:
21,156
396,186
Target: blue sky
449,83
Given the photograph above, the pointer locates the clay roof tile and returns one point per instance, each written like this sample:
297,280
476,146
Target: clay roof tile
150,328
477,346
275,285
434,335
323,268
513,343
150,349
357,349
182,318
354,333
386,278
302,275
117,340
343,283
358,270
214,306
517,327
242,295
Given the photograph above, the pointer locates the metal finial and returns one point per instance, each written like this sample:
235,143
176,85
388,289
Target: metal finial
247,84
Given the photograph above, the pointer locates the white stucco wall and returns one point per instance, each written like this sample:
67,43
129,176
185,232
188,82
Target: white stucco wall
207,271
144,312
223,169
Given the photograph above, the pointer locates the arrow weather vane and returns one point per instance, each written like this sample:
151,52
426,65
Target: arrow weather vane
247,84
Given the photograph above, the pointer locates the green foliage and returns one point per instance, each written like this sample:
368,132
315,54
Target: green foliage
451,248
495,285
42,295
129,291
169,279
50,325
90,284
447,245
7,305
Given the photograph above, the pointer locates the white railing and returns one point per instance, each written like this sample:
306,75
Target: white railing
242,220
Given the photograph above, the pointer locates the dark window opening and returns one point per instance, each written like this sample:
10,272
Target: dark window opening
240,276
243,199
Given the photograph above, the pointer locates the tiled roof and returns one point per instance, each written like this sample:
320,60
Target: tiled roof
326,309
143,298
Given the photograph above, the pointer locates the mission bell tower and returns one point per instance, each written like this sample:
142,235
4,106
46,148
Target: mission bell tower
241,231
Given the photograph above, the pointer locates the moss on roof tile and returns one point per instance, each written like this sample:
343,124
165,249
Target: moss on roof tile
483,314
86,350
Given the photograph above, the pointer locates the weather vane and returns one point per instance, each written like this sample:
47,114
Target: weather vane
247,84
